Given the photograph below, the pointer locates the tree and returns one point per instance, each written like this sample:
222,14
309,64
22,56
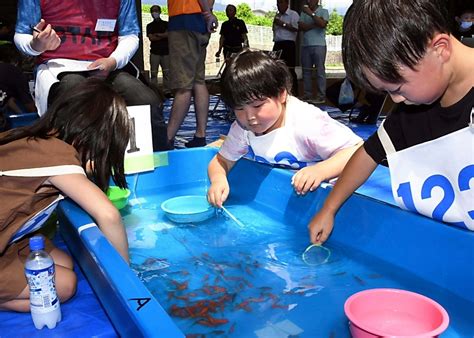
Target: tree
244,12
334,26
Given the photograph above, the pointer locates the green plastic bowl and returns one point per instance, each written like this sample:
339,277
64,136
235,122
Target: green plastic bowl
118,197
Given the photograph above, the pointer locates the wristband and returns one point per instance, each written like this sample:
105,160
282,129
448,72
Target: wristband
284,24
313,15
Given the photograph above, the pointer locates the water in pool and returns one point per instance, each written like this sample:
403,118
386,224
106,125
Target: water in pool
218,278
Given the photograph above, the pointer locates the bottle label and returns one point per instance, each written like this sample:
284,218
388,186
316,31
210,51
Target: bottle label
43,297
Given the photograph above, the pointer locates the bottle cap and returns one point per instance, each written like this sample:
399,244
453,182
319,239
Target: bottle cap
36,243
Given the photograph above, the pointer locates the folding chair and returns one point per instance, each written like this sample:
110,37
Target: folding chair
214,86
386,108
274,53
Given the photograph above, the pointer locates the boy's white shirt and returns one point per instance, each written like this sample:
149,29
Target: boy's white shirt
309,135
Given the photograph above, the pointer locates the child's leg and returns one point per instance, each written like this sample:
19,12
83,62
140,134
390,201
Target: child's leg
14,291
20,304
65,288
66,280
61,258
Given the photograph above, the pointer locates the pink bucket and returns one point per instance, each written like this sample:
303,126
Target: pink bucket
394,313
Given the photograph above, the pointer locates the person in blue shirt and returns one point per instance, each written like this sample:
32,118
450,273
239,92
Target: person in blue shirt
313,21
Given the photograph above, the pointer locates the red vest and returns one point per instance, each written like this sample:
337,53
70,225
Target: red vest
75,22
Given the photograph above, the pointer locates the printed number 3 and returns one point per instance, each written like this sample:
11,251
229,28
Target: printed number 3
465,175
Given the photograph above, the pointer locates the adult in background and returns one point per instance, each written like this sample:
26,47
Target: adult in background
78,39
189,28
285,31
465,23
313,21
233,34
157,32
15,94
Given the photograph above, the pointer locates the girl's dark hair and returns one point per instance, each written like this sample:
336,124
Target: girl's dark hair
93,118
381,35
253,75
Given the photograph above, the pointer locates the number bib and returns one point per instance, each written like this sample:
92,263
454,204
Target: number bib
433,178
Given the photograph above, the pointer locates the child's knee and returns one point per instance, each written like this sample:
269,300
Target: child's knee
66,283
62,258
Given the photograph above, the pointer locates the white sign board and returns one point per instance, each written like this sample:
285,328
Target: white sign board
139,153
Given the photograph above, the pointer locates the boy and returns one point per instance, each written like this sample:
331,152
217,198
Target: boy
427,142
275,127
464,24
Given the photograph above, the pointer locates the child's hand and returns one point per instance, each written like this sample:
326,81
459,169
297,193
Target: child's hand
320,227
306,179
218,192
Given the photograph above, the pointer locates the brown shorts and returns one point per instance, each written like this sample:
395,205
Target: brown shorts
12,268
187,58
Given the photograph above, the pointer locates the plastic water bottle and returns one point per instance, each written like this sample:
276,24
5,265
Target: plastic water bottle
39,271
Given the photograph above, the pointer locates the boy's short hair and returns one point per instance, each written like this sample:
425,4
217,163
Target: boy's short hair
230,6
155,8
382,35
465,9
253,75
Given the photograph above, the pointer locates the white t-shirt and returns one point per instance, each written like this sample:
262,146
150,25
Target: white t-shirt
308,136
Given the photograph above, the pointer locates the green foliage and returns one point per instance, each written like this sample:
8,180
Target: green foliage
245,13
270,15
334,26
220,15
146,9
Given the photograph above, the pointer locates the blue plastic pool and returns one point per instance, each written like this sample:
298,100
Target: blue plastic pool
221,279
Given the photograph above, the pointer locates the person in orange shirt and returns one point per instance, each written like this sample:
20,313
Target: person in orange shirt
189,27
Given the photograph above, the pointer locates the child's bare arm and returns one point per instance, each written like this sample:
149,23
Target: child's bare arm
85,193
355,173
309,178
218,169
